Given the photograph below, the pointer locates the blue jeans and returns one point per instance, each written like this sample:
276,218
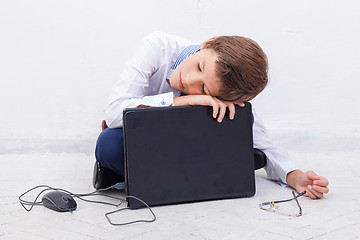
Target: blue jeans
109,151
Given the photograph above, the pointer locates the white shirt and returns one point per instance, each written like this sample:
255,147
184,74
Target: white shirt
144,81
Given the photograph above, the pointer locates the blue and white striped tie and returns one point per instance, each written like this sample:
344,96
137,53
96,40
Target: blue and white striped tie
188,51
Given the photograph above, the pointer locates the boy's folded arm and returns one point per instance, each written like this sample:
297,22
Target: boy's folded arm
130,89
114,110
219,106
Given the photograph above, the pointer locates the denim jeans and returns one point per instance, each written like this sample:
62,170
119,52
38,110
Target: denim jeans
109,151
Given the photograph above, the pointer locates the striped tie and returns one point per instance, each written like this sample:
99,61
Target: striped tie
188,51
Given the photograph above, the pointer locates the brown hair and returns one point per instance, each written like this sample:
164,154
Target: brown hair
242,67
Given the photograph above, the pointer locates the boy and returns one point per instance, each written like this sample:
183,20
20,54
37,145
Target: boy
221,72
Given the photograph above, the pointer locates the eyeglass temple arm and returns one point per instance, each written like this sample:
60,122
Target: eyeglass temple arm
280,201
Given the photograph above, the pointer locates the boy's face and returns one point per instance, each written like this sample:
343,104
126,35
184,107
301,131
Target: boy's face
196,75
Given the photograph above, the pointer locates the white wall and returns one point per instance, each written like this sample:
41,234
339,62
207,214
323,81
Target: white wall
59,60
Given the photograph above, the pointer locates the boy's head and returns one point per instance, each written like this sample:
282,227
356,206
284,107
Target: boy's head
231,68
242,67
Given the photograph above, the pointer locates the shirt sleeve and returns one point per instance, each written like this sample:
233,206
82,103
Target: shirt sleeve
128,92
279,162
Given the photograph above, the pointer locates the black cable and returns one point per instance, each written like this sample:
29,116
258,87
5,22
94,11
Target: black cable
35,202
81,197
137,221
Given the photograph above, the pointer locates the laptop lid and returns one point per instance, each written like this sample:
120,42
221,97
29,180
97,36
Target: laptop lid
182,154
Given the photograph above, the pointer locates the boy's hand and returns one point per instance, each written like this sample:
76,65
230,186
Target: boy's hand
314,185
219,106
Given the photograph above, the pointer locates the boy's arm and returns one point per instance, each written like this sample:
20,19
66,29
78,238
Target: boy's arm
134,87
279,162
219,106
280,166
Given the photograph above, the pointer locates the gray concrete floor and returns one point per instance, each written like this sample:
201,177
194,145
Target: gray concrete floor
334,217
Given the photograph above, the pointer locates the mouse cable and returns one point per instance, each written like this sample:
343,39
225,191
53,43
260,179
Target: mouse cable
136,221
25,203
80,196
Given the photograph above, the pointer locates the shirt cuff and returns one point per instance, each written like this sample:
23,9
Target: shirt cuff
160,100
279,170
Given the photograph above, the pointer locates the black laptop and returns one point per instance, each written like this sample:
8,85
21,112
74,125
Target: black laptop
182,154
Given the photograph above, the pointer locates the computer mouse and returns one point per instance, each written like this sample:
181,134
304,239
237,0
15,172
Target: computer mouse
59,201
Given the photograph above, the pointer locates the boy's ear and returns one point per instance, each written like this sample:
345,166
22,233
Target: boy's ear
204,45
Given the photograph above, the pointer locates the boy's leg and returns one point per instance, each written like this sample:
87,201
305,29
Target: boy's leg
109,153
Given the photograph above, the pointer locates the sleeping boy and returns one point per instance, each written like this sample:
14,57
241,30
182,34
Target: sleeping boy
222,72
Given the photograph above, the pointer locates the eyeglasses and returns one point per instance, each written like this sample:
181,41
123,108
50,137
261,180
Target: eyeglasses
273,205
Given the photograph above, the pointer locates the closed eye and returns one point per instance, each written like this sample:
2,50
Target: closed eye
199,67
